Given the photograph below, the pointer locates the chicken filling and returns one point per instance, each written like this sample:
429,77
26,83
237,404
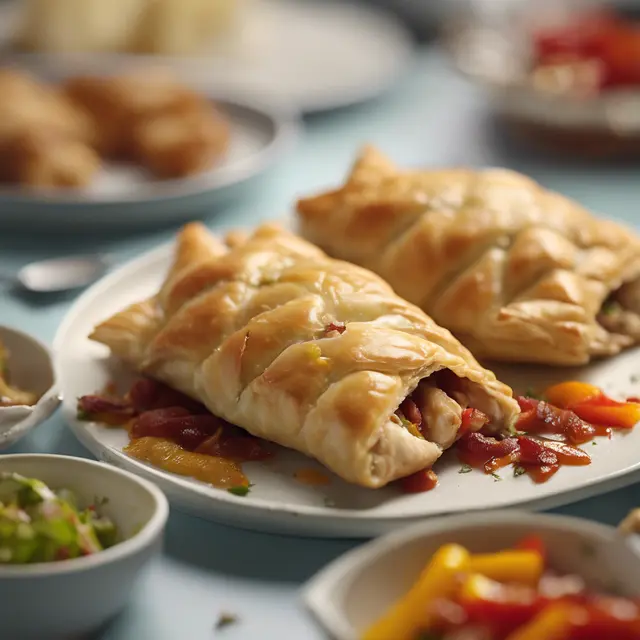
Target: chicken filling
443,407
620,314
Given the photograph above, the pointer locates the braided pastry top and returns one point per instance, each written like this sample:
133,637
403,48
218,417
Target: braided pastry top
515,271
303,350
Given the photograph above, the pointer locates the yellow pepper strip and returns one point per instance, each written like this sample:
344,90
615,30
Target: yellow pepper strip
625,416
478,587
554,623
411,613
523,567
568,394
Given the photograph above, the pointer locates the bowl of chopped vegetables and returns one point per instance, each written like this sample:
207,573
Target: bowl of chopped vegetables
75,535
492,576
28,389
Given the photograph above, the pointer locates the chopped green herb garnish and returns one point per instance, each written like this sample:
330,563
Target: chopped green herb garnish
518,471
496,477
465,468
241,490
532,393
593,443
226,619
83,415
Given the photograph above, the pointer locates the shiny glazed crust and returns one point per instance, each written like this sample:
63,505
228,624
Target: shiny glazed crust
517,272
243,328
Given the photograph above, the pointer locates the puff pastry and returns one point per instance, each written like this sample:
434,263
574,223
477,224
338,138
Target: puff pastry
306,351
516,272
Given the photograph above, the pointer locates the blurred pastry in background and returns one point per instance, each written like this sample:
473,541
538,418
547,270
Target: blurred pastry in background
152,119
175,27
27,103
58,136
172,27
44,158
177,145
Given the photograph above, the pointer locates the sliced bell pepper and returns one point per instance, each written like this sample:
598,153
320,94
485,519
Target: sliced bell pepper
552,623
567,395
624,415
501,607
412,612
516,566
533,543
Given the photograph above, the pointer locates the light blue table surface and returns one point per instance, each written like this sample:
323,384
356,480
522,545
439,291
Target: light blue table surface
432,117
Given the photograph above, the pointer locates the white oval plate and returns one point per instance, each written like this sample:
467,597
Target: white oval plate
278,502
348,595
312,55
126,196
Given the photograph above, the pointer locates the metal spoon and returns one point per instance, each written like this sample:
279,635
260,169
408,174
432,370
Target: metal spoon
59,274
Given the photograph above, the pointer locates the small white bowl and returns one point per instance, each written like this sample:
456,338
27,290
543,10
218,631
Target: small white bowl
67,599
31,368
349,594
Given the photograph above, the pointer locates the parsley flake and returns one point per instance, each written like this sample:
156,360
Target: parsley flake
465,468
226,619
518,471
496,477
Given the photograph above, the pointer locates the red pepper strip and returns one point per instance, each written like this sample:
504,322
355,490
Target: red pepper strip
419,482
533,543
567,454
541,417
498,463
600,623
541,474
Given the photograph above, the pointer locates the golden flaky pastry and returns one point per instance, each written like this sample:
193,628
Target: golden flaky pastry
306,351
517,272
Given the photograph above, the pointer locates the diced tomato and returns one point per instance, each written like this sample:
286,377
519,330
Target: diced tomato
411,412
147,395
477,449
177,424
605,620
621,55
472,420
419,482
533,452
239,448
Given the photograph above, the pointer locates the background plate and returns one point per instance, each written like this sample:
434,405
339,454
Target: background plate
314,55
126,196
281,504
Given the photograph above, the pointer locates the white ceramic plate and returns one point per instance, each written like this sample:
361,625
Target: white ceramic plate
348,595
312,55
126,196
278,502
31,368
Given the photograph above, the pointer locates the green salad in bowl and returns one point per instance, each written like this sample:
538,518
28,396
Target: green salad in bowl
39,524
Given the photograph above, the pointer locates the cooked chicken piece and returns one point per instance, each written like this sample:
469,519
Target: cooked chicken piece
441,415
